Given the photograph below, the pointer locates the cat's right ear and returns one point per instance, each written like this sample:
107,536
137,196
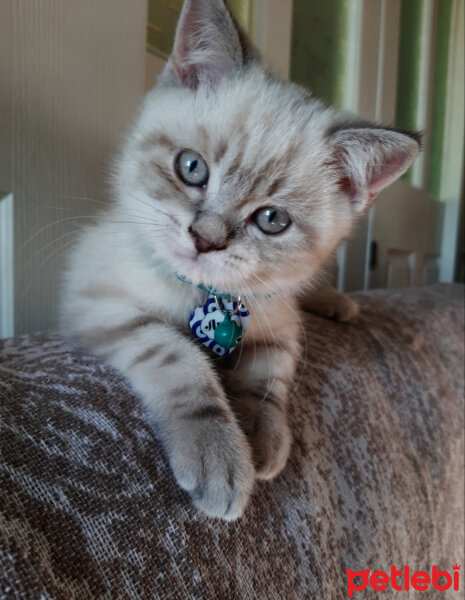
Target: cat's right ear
207,46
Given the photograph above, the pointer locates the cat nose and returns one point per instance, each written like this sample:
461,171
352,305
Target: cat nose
204,245
209,230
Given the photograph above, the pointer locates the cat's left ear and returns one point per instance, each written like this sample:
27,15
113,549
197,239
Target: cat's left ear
369,159
207,46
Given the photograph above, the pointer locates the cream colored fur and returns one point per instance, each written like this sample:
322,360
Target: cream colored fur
266,142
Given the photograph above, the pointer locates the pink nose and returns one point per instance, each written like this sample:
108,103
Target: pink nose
204,245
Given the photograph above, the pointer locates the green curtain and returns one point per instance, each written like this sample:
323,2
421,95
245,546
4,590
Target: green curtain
318,47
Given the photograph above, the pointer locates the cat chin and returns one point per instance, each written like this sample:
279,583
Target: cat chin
211,270
200,270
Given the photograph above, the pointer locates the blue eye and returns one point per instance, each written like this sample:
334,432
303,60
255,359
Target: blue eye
191,168
271,220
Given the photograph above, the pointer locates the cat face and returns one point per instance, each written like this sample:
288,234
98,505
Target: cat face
240,180
247,182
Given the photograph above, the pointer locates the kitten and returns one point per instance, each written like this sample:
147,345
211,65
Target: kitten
236,179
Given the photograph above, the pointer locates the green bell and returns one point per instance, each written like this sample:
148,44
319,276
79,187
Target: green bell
228,334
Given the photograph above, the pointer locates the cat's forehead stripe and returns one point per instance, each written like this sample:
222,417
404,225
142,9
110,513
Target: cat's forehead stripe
203,138
274,187
221,151
262,176
154,140
235,165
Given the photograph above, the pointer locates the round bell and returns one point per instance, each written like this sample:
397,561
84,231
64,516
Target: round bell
228,334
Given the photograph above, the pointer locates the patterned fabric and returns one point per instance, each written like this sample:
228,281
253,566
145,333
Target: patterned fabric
89,508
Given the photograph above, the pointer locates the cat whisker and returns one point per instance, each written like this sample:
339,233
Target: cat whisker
45,246
68,245
153,207
146,218
87,199
85,217
76,232
266,323
241,346
114,206
116,211
299,323
258,314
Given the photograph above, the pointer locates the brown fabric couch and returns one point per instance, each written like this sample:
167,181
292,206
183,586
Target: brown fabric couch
89,508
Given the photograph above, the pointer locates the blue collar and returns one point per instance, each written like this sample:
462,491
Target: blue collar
206,288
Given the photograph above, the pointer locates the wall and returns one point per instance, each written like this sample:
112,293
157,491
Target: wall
72,76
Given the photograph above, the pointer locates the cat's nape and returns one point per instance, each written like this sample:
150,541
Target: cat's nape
235,179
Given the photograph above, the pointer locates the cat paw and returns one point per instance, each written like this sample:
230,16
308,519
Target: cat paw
268,433
341,309
212,462
270,451
331,304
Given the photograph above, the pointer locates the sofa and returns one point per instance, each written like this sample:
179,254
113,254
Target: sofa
89,508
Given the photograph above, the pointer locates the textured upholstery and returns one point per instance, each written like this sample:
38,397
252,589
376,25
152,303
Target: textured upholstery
89,508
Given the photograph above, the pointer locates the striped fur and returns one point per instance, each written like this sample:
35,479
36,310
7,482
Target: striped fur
266,143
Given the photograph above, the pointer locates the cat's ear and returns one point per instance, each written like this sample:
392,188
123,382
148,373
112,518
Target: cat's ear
369,159
207,45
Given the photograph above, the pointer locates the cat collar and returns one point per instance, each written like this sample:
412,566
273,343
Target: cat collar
220,323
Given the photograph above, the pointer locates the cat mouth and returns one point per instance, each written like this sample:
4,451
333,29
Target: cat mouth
205,269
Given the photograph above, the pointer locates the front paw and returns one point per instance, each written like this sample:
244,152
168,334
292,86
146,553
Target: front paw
264,421
211,460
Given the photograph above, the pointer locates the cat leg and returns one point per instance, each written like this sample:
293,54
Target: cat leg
258,391
328,302
208,453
